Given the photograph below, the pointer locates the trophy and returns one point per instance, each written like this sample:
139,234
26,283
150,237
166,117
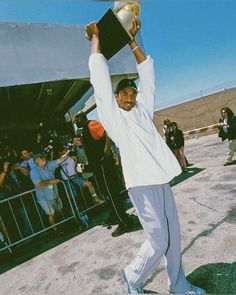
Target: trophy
114,26
127,12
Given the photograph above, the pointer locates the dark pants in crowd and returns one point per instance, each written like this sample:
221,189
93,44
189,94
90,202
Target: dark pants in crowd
109,185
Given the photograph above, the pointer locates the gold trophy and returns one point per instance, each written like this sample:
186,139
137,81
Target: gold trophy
127,12
115,25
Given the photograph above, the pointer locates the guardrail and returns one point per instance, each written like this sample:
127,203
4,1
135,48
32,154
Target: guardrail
199,131
82,199
23,217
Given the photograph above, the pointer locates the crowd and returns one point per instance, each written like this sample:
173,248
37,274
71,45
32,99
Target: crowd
51,161
22,170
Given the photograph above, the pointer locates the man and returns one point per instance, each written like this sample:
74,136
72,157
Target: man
100,160
148,164
28,162
68,172
44,180
81,156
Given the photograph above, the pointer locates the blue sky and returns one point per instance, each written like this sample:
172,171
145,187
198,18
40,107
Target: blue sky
193,42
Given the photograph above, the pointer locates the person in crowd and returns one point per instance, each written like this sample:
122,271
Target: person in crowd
44,180
3,228
81,156
38,142
177,145
166,131
148,164
14,182
68,172
4,214
117,162
28,162
97,149
227,130
9,153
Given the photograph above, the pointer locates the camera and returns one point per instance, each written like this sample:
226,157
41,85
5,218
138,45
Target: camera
69,146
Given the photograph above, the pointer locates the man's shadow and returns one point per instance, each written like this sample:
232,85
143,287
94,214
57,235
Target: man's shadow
215,277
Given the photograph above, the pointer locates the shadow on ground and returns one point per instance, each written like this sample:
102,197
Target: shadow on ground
48,240
215,277
185,175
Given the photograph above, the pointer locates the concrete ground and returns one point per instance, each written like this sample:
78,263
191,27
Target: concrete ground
91,262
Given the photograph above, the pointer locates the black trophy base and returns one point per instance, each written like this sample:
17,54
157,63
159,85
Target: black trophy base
113,36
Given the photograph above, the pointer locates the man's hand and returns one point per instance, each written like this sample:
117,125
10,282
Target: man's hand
17,167
91,30
54,181
135,26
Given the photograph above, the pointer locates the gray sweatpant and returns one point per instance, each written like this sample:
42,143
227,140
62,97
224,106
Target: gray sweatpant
157,213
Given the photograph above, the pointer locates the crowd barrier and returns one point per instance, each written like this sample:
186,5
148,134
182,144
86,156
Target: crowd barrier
22,217
199,131
83,199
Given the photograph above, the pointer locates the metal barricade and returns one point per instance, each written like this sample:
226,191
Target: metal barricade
24,218
82,198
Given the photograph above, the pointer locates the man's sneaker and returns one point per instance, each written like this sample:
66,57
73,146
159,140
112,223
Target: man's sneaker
131,289
228,163
120,230
195,290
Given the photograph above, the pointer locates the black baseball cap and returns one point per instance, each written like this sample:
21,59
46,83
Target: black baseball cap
126,83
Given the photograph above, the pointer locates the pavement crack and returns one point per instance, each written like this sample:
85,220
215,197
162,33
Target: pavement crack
203,234
195,200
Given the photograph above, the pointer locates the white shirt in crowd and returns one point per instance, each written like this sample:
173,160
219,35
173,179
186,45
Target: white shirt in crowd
225,127
68,168
145,157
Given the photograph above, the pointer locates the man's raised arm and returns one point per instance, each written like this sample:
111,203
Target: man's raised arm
145,69
137,51
101,81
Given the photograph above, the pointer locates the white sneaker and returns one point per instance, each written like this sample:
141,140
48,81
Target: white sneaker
195,290
131,289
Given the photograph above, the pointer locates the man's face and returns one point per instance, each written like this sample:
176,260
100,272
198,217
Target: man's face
126,98
174,127
80,120
41,162
168,123
25,155
77,142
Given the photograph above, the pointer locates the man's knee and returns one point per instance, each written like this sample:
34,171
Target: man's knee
160,246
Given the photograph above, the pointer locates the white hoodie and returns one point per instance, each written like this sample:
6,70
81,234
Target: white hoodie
145,157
